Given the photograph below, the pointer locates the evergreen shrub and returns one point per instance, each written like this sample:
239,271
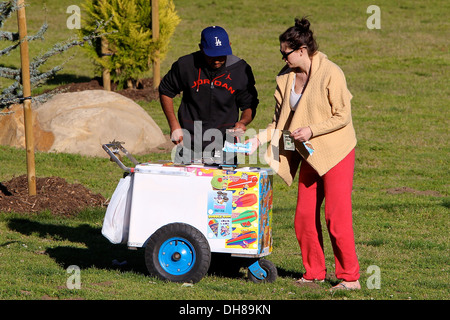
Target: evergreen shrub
131,48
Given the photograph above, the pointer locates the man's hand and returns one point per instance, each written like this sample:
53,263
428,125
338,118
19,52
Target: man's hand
239,127
237,131
176,136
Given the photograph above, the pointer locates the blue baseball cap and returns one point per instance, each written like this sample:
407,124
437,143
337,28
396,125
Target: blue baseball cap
215,42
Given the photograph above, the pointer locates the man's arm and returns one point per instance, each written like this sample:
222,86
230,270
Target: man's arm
246,118
247,99
176,134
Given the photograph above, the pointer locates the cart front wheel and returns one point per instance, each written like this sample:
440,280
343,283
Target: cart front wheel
178,252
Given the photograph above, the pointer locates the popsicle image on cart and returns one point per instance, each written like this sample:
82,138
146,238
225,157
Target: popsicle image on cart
243,183
243,240
247,200
245,218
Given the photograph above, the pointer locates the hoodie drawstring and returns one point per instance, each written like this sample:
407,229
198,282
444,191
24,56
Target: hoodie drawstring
198,81
212,81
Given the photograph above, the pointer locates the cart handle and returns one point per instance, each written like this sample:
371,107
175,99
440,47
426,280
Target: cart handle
113,149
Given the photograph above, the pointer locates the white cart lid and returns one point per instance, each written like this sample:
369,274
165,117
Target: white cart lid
157,168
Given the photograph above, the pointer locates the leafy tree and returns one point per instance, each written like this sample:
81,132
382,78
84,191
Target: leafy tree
131,50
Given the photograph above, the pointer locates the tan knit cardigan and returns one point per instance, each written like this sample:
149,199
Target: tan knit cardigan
324,107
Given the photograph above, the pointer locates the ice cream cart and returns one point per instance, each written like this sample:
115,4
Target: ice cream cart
180,214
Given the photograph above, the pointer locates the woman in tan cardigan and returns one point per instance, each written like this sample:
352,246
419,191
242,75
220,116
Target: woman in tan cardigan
313,109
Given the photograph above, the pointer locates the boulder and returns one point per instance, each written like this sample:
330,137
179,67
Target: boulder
80,122
12,130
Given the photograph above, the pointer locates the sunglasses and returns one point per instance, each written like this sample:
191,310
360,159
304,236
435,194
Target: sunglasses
285,55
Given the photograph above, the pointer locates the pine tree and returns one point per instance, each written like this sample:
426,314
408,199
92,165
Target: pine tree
131,49
13,94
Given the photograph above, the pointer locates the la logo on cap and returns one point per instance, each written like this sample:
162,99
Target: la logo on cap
218,42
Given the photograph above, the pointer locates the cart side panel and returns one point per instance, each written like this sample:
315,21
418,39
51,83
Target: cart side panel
250,225
265,212
160,199
232,208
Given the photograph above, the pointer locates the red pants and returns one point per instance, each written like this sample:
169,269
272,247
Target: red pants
336,187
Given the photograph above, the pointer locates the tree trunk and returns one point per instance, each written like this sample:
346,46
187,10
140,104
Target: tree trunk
106,55
155,36
27,112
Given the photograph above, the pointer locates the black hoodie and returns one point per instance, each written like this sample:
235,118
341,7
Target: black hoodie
212,96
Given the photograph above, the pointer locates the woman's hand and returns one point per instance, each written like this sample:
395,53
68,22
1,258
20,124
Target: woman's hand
302,134
255,144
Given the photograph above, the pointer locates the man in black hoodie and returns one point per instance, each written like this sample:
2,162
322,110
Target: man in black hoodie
215,86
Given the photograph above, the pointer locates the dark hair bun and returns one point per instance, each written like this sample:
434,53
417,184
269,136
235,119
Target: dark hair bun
302,24
300,35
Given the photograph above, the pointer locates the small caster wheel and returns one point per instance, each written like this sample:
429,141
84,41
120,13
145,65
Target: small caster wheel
262,271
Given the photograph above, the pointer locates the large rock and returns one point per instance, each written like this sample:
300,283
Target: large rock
80,122
12,130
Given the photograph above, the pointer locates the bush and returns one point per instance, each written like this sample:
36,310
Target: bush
129,44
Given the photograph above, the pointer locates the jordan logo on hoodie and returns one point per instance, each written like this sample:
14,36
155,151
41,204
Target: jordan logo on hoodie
216,82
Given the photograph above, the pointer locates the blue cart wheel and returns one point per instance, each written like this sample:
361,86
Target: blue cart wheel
176,256
178,252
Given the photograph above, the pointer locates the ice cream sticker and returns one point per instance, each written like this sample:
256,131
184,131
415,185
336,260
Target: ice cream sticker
219,214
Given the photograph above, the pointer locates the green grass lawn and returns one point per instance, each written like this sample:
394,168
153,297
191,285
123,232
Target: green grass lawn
401,190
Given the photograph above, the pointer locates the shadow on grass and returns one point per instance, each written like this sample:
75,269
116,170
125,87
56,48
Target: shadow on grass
289,273
100,253
66,78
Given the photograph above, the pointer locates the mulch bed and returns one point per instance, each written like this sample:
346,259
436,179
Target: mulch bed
54,193
143,92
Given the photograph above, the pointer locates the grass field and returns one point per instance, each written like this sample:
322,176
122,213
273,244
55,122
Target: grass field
401,190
